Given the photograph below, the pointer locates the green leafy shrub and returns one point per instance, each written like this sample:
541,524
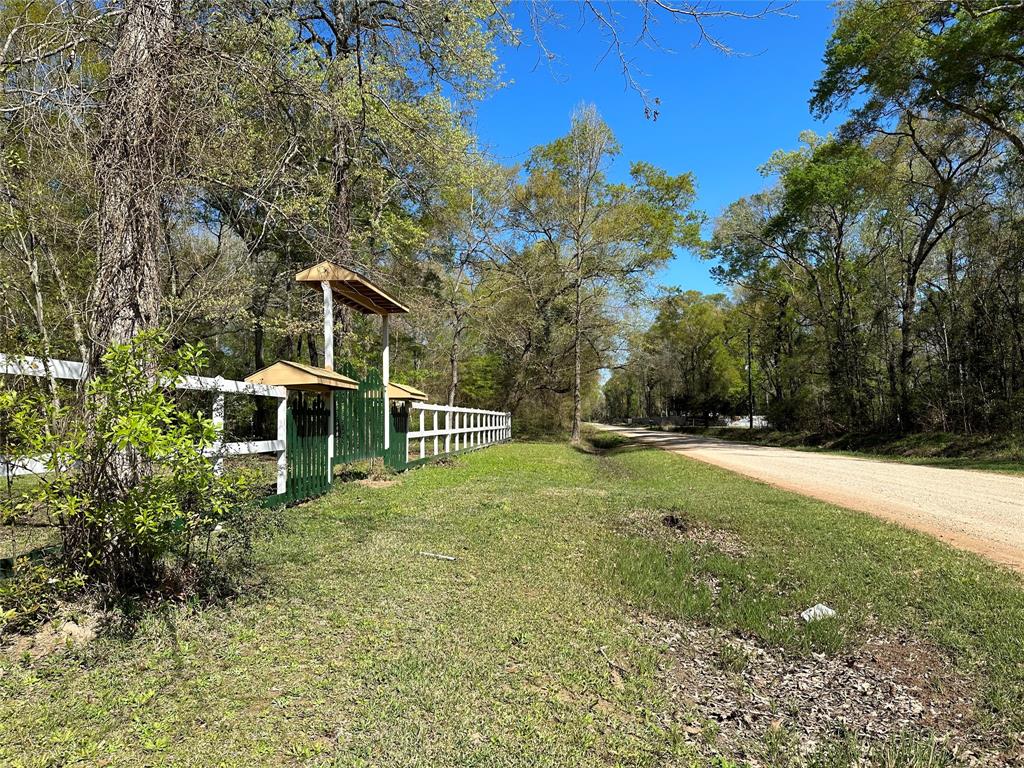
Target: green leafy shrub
131,484
32,593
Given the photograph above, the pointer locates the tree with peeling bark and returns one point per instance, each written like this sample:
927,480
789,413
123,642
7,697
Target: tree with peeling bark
131,167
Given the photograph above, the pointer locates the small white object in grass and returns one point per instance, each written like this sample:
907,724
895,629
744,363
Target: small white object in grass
819,611
435,555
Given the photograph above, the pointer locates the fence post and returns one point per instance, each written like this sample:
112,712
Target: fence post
385,334
447,431
423,440
282,435
435,433
218,424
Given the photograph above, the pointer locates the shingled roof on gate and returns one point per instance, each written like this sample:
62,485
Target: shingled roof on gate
352,289
292,375
398,391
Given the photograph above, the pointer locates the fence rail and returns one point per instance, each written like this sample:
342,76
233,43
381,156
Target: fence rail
462,429
353,434
25,365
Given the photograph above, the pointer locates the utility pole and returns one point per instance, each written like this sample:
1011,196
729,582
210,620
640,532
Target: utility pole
750,380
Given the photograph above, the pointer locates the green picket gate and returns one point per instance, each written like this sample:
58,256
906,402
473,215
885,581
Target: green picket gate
358,430
359,418
309,472
396,454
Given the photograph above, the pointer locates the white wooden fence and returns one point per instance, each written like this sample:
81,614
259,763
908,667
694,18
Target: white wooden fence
74,371
452,429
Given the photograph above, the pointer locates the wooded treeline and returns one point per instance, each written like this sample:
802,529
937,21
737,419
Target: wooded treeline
174,164
881,274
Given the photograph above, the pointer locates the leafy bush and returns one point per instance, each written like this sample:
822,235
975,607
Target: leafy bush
32,593
131,484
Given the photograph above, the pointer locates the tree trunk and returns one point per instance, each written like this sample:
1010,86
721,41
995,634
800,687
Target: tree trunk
341,205
314,355
32,262
577,399
258,340
130,165
908,308
453,363
73,314
130,162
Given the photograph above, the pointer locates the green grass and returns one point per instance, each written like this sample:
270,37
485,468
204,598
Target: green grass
357,650
991,453
605,441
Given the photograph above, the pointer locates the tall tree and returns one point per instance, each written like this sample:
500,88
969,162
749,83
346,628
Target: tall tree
605,236
131,162
941,57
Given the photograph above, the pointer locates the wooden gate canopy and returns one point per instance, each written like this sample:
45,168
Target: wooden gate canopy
308,378
352,289
398,391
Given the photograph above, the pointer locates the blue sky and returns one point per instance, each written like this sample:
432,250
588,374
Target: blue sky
721,116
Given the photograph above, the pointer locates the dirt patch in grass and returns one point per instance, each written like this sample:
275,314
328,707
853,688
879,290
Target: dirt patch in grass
737,696
675,524
370,482
71,628
565,493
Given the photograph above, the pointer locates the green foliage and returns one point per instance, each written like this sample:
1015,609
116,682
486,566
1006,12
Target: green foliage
949,58
31,594
868,271
687,364
595,242
135,495
157,511
825,175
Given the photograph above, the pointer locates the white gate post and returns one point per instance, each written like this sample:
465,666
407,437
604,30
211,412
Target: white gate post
329,365
328,325
218,424
385,334
282,435
423,440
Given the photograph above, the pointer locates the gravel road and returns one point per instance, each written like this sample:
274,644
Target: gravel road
982,512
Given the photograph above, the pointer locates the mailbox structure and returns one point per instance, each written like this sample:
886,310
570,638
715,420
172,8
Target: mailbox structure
360,294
